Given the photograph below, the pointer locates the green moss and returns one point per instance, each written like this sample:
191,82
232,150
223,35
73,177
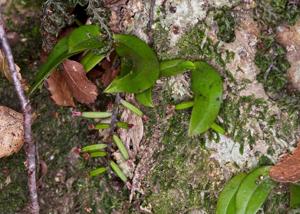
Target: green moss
226,24
271,59
180,181
196,44
271,13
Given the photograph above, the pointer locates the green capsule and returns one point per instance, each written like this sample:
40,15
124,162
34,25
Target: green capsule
184,105
121,147
98,154
98,171
131,107
95,115
217,128
102,126
93,147
118,171
122,125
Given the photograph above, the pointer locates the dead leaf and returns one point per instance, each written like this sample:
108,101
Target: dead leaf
288,169
5,70
133,136
59,90
82,89
11,131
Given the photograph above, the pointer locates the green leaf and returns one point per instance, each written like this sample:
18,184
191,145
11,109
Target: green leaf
253,191
217,128
131,107
85,37
226,201
145,70
95,114
118,171
184,105
58,54
82,38
122,125
91,59
145,97
207,87
294,196
121,147
98,171
93,147
98,154
176,66
259,196
102,126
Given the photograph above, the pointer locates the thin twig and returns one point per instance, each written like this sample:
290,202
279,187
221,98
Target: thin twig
26,108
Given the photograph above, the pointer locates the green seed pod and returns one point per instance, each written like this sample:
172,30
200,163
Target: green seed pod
93,147
95,115
98,154
121,147
184,105
132,108
217,128
98,171
122,125
118,171
102,126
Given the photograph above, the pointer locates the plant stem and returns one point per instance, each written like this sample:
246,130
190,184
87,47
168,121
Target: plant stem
26,108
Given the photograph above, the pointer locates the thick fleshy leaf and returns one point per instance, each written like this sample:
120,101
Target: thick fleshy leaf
98,154
253,191
226,201
118,171
91,59
145,98
294,196
121,147
184,105
217,128
145,70
58,54
95,114
93,147
98,171
131,107
207,88
82,38
176,66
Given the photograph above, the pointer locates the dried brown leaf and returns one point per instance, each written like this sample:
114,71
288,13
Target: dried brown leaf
59,89
5,70
83,90
11,131
288,169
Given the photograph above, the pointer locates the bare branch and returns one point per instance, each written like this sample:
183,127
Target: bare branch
26,108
